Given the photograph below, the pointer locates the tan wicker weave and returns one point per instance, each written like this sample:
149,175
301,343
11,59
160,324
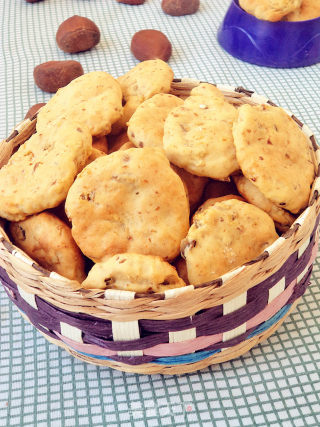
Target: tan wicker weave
33,280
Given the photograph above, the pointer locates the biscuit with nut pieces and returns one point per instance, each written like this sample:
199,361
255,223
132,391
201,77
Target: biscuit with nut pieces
252,194
145,128
140,83
225,236
135,273
275,155
198,135
129,201
93,100
48,240
39,175
213,201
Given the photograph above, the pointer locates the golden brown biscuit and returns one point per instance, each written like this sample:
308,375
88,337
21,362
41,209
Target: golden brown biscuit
225,236
310,9
133,272
39,175
100,143
275,155
213,201
48,240
270,10
93,100
194,186
140,83
129,201
145,128
198,135
126,146
252,194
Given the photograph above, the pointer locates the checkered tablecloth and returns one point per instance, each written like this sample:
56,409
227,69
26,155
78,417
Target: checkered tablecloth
275,384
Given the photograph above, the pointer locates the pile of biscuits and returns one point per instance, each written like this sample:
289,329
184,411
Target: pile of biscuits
282,10
149,190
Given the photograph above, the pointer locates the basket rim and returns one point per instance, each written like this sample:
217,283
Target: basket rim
234,92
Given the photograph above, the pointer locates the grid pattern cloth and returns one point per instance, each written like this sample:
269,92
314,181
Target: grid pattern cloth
276,383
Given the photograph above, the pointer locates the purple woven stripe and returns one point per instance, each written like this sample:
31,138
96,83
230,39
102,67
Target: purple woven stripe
298,292
290,269
137,360
300,288
206,322
138,344
300,264
232,320
86,323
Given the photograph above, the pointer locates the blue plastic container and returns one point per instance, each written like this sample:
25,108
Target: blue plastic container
272,44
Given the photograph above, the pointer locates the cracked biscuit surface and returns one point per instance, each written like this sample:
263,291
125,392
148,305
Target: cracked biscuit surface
93,100
39,175
275,155
128,201
48,240
270,10
133,272
198,135
225,236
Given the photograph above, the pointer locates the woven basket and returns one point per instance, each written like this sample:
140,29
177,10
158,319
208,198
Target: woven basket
184,329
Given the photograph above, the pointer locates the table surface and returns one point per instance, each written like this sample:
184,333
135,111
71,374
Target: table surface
275,384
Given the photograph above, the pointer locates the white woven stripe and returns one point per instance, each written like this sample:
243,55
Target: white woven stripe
114,294
234,333
57,276
226,88
20,126
172,293
71,332
190,80
303,247
302,274
231,274
277,289
290,113
23,258
307,131
275,245
179,336
316,184
29,298
260,99
229,307
125,331
235,303
130,353
303,217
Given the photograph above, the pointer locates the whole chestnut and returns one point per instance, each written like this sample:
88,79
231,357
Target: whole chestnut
77,34
52,75
150,44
